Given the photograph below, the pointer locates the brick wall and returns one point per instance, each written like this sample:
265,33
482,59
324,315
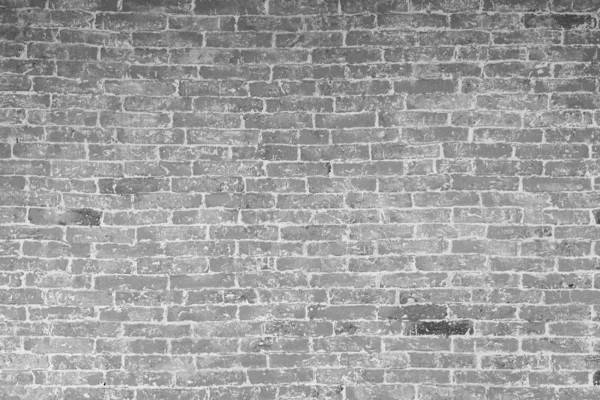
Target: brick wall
293,199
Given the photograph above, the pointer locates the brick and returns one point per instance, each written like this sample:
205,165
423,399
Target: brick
94,38
555,313
309,40
40,216
233,72
460,391
67,86
413,118
15,83
206,7
563,247
432,71
64,52
130,22
413,312
426,86
119,119
245,40
401,151
386,38
416,54
162,72
192,23
461,182
351,56
59,18
283,56
264,23
282,121
182,6
442,102
555,184
563,345
139,87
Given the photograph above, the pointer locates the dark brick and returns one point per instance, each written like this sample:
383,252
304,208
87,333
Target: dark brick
230,7
375,6
554,21
516,5
157,6
445,328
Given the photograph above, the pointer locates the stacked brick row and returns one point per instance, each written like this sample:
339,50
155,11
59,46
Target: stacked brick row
294,199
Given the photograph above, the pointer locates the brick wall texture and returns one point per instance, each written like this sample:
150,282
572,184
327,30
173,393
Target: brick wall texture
299,199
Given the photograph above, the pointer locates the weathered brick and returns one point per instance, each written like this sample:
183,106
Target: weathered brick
207,7
351,56
299,199
245,40
264,23
135,21
40,216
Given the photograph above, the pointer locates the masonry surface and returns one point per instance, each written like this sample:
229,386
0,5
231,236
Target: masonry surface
299,199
